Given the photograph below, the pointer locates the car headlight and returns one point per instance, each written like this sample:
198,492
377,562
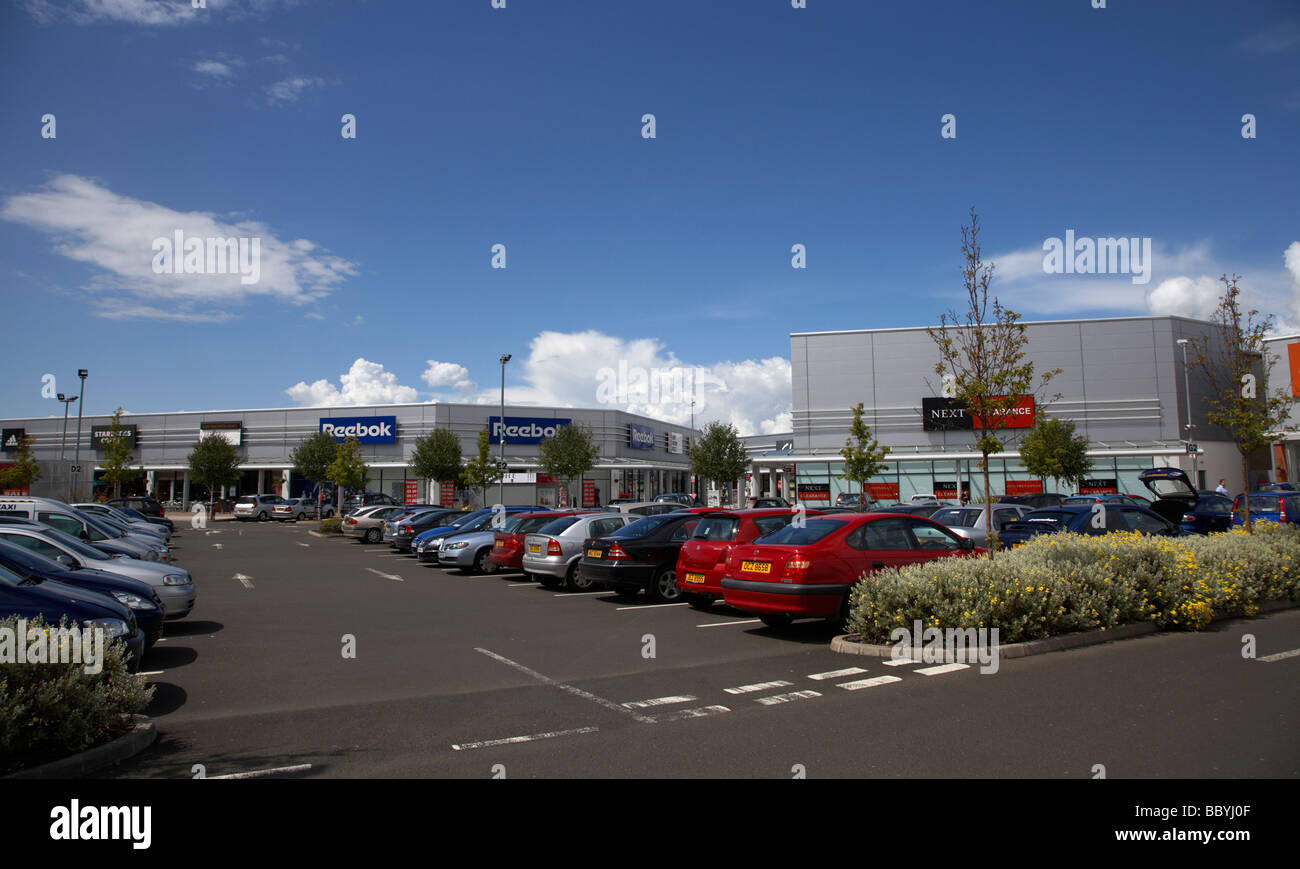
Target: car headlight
135,602
176,579
434,544
111,627
451,546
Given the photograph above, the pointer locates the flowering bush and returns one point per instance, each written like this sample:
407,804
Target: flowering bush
1060,583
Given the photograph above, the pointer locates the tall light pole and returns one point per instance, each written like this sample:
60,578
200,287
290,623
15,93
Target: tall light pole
501,450
1187,392
76,461
64,440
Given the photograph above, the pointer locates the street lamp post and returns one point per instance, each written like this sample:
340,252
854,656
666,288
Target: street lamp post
501,448
76,461
1187,392
63,441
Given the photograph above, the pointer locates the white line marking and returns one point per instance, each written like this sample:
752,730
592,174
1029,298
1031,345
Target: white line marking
261,772
467,746
547,680
941,669
649,606
315,534
1280,656
786,698
520,584
835,674
304,544
660,701
899,662
724,624
216,546
392,576
868,683
579,593
697,712
151,673
757,686
246,580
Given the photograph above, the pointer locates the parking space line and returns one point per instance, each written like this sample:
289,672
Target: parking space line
736,622
835,674
316,534
942,668
868,683
391,576
246,580
577,692
786,698
150,673
521,584
511,740
757,686
661,701
649,606
697,712
257,773
579,593
1280,656
899,662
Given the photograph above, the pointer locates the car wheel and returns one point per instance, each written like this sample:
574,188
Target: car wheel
547,580
261,517
483,562
699,601
302,517
664,588
776,620
841,618
575,581
372,535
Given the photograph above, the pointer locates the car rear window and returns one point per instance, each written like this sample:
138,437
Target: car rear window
1055,517
717,528
644,527
814,530
558,525
771,524
1265,503
956,517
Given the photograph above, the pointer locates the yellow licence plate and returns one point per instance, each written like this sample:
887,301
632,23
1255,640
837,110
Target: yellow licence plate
534,548
694,577
499,544
755,567
595,553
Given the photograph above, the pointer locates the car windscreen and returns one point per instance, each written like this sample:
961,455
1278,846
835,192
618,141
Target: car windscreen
102,527
644,527
28,560
813,531
8,577
717,528
956,517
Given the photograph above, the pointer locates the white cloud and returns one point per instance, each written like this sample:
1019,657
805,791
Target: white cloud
1277,38
448,375
151,13
1185,297
288,90
115,234
364,383
213,68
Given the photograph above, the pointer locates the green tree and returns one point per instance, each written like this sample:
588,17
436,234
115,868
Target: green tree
313,456
863,454
481,470
349,469
718,455
982,358
1236,369
570,452
1053,450
437,457
117,459
24,471
214,462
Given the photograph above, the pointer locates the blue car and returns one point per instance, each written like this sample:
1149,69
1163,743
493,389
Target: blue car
1268,507
1079,520
1198,512
27,598
427,543
144,602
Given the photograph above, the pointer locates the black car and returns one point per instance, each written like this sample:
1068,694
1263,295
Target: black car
1079,519
1198,512
144,602
421,519
766,501
642,555
144,504
1038,501
160,521
27,598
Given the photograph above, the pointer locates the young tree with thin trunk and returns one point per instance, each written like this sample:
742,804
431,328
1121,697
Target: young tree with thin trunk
312,459
718,455
863,454
437,457
24,471
570,452
348,470
117,457
1053,450
214,462
481,470
1236,368
982,359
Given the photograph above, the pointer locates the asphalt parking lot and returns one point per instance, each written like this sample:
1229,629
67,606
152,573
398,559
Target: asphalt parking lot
482,676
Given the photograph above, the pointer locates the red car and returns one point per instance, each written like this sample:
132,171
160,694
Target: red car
703,560
807,572
508,547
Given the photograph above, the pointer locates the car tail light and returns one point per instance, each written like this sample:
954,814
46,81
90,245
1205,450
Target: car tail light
407,529
351,521
616,553
553,548
724,554
798,564
1234,510
1281,506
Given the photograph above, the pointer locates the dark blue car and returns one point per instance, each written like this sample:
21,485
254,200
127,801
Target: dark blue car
27,598
1084,520
144,602
1198,512
1268,507
426,543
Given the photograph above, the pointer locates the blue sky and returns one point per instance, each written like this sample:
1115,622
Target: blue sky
522,126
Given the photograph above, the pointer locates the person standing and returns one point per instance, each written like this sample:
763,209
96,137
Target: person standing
1222,488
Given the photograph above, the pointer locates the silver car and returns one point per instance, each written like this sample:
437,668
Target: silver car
551,555
174,584
368,522
119,516
968,521
256,507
